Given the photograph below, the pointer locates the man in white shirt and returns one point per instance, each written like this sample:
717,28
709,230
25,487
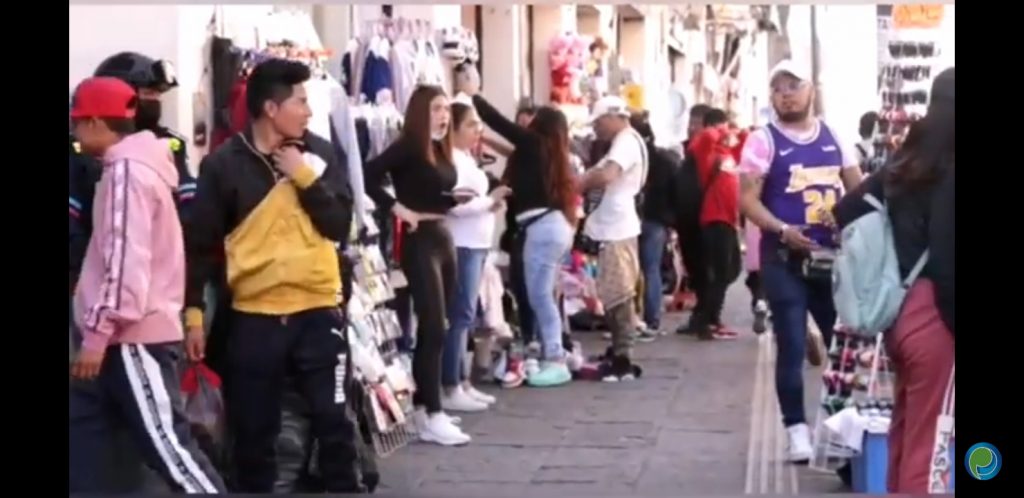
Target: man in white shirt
615,225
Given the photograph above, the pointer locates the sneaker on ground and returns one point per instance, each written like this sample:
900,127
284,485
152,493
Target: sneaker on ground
458,400
514,375
419,419
760,317
723,333
550,374
531,366
800,449
606,336
620,369
479,395
439,429
646,335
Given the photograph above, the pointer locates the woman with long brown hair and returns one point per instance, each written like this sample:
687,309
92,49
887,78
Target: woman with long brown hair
919,188
545,214
423,175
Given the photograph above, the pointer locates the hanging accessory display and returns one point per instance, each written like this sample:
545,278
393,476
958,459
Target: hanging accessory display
385,404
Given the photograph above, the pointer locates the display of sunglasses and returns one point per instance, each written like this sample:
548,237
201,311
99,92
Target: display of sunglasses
903,49
905,98
892,73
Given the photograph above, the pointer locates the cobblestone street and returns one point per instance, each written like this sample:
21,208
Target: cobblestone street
683,429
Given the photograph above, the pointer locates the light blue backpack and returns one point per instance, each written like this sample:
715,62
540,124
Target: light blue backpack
866,283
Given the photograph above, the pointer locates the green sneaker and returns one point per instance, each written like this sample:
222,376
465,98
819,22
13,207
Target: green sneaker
550,375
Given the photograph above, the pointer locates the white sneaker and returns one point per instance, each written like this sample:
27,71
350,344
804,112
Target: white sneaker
458,400
479,395
532,367
800,449
419,419
439,429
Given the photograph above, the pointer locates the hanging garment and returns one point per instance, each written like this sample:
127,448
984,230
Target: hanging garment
376,74
318,95
346,144
404,69
239,111
431,70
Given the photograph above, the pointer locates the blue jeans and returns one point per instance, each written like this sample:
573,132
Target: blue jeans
461,312
653,236
790,297
548,239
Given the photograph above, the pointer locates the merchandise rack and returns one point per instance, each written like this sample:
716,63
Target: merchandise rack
372,324
848,381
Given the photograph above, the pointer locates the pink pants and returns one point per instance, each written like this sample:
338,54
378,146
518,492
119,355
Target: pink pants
752,234
922,353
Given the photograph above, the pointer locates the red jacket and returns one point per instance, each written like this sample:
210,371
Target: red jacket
721,202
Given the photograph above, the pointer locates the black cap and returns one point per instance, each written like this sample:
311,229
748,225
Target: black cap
944,88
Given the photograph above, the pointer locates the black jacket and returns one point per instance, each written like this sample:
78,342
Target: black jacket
921,220
525,167
659,190
233,180
83,173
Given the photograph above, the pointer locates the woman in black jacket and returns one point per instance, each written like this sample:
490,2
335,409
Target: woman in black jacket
543,204
919,188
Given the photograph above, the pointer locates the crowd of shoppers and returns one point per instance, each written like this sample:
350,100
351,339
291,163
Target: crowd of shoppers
273,204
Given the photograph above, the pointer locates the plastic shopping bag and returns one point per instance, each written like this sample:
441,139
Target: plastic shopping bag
204,408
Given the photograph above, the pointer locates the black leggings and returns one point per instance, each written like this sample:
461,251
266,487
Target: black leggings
428,261
754,285
722,258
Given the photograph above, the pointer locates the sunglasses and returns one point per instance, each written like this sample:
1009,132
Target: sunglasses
905,98
789,87
899,50
892,73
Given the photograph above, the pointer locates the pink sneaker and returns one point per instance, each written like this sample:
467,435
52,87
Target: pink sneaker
515,374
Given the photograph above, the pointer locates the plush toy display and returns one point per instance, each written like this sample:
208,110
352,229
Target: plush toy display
566,56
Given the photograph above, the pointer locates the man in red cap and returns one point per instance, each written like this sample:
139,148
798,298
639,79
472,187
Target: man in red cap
128,302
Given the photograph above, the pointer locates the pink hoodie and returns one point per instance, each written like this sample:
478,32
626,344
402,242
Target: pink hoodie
132,285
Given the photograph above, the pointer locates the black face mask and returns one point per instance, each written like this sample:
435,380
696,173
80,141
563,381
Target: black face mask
147,117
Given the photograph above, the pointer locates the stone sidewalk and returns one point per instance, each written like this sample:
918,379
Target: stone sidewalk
683,429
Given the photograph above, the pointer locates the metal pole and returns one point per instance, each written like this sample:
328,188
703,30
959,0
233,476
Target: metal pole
819,109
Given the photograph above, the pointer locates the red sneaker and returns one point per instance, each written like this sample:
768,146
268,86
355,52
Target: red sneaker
723,333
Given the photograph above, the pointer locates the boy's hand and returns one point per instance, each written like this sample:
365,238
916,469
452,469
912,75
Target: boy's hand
195,344
87,364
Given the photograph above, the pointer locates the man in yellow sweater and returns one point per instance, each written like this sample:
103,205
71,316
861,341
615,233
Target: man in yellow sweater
273,201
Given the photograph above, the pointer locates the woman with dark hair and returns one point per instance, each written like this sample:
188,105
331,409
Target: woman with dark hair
919,189
423,175
472,225
545,216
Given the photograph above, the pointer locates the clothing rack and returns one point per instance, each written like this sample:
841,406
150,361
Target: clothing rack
394,28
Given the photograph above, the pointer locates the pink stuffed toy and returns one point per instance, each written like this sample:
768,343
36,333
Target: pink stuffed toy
559,58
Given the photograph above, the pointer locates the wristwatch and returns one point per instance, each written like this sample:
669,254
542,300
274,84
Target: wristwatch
782,229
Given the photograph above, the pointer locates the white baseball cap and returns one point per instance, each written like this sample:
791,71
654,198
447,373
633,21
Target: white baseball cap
788,66
609,105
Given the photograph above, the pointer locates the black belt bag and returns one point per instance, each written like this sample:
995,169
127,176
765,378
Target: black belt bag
814,266
817,266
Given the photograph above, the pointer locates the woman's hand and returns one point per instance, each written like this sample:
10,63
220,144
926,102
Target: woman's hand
500,193
406,215
412,218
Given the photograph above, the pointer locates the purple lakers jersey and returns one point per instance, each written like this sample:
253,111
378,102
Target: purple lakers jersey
803,184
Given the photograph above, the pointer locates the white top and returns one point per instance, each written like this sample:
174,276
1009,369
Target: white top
472,223
615,217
